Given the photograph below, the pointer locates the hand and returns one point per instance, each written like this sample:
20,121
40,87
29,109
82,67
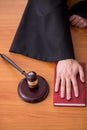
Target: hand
78,21
66,73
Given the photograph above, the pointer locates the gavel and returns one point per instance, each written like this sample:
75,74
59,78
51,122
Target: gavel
33,88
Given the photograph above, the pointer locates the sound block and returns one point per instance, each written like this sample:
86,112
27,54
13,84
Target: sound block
33,95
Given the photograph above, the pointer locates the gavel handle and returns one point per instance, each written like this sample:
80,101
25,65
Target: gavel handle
13,64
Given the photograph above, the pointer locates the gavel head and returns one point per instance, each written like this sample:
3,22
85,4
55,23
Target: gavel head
33,88
32,79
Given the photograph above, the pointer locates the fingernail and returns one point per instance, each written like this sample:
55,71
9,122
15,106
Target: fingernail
62,96
68,98
56,90
83,79
76,95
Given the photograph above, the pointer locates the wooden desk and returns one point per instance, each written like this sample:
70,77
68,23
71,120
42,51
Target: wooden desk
16,114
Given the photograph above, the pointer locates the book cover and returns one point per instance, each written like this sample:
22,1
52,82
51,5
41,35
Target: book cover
74,101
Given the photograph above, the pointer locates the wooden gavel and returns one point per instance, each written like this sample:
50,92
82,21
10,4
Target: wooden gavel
33,88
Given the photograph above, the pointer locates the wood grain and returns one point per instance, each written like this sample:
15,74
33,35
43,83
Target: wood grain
16,114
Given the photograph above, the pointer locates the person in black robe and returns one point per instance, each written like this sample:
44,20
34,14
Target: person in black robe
44,34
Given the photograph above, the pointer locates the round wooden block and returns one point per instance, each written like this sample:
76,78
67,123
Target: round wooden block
33,95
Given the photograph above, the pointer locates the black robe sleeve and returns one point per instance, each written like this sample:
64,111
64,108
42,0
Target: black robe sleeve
44,31
80,9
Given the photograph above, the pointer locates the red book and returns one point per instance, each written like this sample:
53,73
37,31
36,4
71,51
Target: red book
74,101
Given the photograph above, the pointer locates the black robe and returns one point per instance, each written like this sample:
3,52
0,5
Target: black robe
79,8
44,31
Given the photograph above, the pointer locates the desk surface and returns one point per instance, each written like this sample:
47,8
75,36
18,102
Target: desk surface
16,114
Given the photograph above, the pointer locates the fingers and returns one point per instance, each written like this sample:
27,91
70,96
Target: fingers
74,19
57,83
82,75
68,89
65,88
81,23
78,21
62,90
75,86
64,85
71,18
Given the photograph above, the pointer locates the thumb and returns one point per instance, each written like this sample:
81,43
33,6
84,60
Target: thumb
82,75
